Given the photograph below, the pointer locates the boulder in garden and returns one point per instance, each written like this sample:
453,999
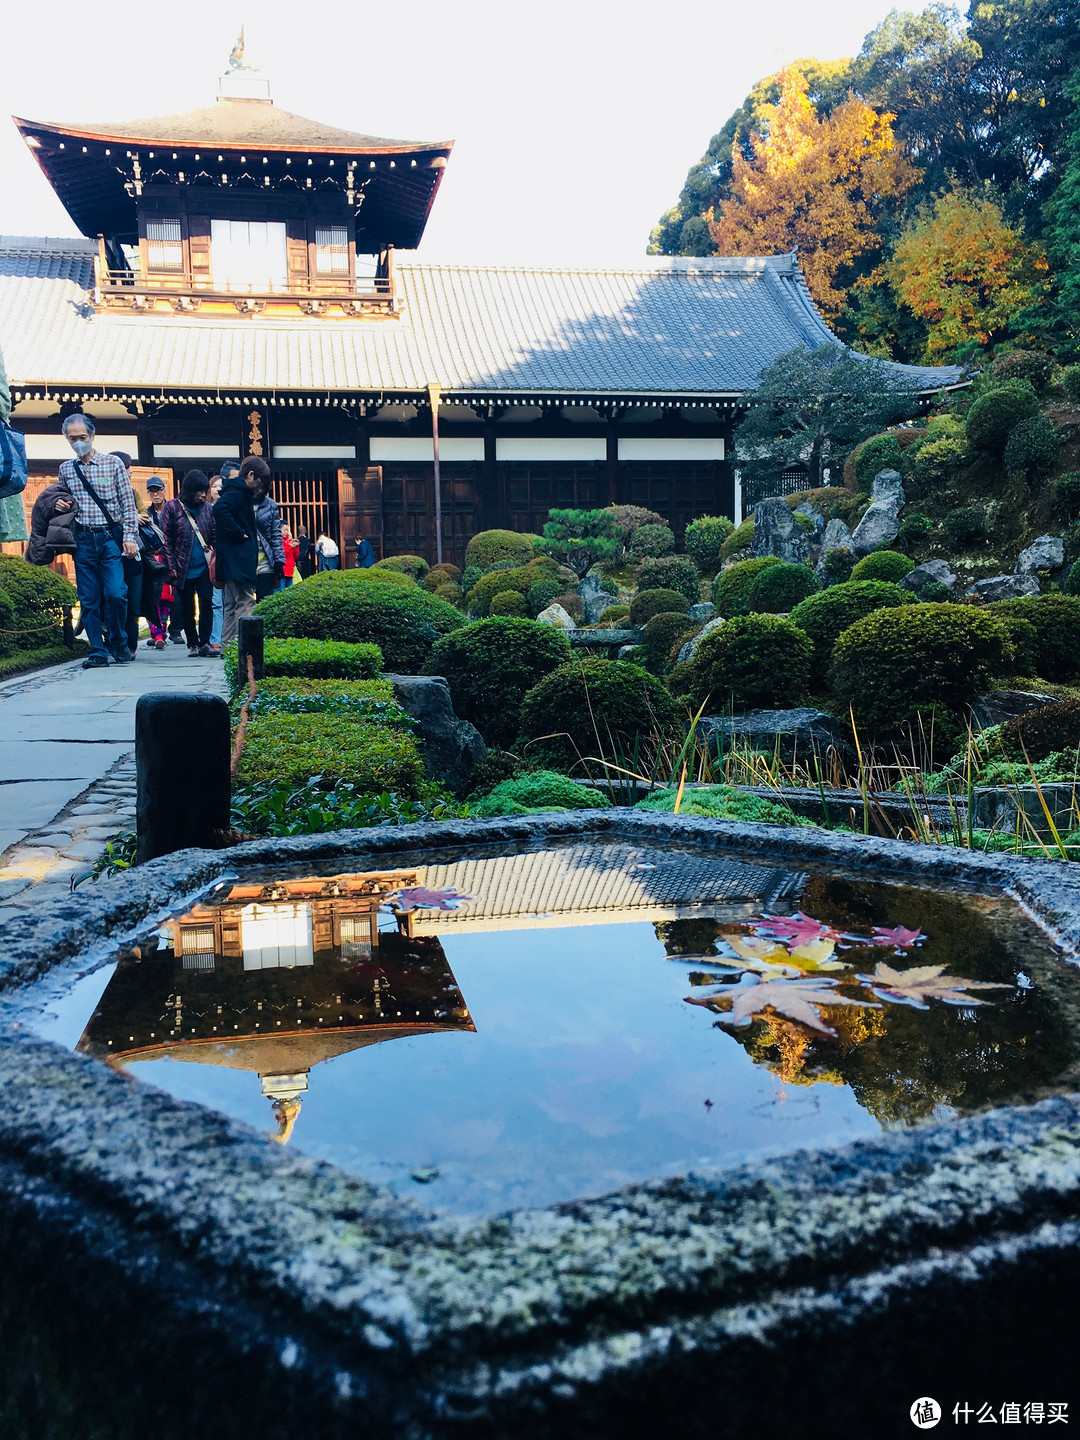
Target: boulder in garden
777,532
1045,553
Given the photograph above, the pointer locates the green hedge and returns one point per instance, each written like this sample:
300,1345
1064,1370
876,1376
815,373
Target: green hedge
441,575
508,602
415,566
662,632
373,606
731,588
779,588
539,791
826,615
899,662
1055,651
670,572
704,537
647,603
595,707
521,579
887,565
290,749
322,659
752,662
32,599
491,665
652,540
369,700
993,415
722,802
490,547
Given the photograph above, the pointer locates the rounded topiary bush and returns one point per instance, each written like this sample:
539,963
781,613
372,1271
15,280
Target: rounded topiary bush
508,602
1034,366
704,537
379,606
647,603
1055,651
993,415
670,572
539,790
36,596
826,615
1032,448
779,588
614,615
489,547
965,526
541,594
441,575
415,566
752,662
741,538
883,565
838,564
451,592
1072,580
915,527
491,665
937,461
519,579
731,588
595,707
935,592
902,661
880,452
1043,732
662,633
651,540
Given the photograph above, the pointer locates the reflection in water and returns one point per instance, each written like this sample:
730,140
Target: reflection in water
275,980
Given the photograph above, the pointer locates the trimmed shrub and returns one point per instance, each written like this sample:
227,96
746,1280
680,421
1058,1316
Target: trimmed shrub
376,606
670,572
731,588
883,565
1034,366
489,547
592,707
629,518
441,575
880,452
572,603
937,461
648,603
934,592
469,576
292,749
491,665
993,415
752,662
1068,486
965,526
508,602
651,540
915,527
1043,732
662,633
537,792
779,588
36,597
1032,448
370,700
451,593
903,660
1072,582
722,802
520,579
1023,637
1056,618
839,563
322,659
741,538
704,537
542,593
826,615
415,566
1070,379
615,614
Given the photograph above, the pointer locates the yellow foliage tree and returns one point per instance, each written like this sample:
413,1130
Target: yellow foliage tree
965,272
818,186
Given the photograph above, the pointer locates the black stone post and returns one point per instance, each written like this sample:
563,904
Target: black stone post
182,753
69,628
249,641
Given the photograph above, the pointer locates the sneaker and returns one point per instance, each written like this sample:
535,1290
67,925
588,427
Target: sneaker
151,644
158,644
193,652
177,639
95,662
121,657
210,652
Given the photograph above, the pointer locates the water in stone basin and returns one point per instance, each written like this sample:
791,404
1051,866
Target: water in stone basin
524,1029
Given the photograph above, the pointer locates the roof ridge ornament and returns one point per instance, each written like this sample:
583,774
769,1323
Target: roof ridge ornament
237,57
243,80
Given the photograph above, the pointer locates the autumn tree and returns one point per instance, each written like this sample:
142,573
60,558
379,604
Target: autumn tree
965,272
814,185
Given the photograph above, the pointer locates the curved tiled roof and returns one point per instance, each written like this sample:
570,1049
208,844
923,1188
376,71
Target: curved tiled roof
664,327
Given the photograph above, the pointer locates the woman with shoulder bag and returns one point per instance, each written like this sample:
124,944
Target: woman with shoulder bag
158,593
188,526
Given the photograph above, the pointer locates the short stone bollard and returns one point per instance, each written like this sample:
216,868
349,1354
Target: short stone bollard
182,751
249,642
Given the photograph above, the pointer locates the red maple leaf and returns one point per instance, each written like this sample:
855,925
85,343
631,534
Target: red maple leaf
419,897
797,929
899,937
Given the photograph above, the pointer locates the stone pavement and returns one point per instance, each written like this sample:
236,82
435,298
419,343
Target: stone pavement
67,765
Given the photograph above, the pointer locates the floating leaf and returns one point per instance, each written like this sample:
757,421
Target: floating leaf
899,937
817,955
795,999
925,982
764,956
797,928
419,897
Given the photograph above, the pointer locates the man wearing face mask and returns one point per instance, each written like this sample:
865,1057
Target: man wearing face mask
106,528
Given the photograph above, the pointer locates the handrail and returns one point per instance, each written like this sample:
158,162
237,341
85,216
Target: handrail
177,282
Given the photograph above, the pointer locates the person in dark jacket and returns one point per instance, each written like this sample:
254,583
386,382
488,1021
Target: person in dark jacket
365,555
305,561
52,510
188,525
271,558
237,544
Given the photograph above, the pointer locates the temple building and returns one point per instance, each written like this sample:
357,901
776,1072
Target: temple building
241,289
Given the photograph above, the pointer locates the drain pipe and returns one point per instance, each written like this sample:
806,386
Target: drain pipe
434,395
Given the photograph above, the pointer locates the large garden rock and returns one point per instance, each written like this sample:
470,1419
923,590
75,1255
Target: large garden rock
997,706
701,612
1045,553
837,536
936,572
556,615
881,523
1005,587
777,532
451,748
888,489
815,517
801,729
688,650
595,598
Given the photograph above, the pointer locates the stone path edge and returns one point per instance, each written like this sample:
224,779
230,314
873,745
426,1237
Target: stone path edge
508,1312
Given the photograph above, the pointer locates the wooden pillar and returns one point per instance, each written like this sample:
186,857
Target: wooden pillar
611,466
489,517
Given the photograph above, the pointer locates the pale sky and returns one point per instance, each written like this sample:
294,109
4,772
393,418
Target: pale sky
575,120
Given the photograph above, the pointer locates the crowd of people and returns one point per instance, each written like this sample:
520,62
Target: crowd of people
191,566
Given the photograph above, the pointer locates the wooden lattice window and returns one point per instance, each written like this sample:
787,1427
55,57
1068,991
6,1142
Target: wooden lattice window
331,250
164,245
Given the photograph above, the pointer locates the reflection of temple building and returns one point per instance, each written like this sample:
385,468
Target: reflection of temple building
275,980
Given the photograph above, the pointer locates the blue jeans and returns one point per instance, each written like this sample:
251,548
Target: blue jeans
219,616
99,579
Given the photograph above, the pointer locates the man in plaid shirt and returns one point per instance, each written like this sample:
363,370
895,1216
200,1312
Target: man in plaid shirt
102,533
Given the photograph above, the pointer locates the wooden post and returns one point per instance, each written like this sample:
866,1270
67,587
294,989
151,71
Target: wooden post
249,642
182,790
434,395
